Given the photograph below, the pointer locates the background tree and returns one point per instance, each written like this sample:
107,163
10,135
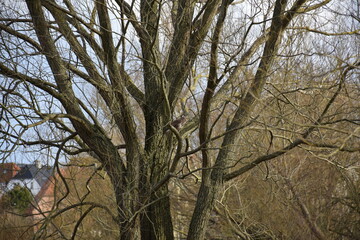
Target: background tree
85,191
19,199
256,81
14,227
13,207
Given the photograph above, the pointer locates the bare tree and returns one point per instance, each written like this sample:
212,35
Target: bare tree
151,61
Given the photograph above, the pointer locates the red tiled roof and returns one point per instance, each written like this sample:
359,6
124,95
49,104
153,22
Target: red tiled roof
47,190
8,171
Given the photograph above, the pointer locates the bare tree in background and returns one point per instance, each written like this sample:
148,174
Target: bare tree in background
220,63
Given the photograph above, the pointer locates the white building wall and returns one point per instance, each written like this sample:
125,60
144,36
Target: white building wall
30,184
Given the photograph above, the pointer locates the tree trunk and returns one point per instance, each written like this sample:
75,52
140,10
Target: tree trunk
208,192
156,221
201,214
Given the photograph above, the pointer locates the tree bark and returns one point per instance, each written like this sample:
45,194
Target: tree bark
156,221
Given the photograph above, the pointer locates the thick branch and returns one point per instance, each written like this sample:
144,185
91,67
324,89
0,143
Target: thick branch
211,85
93,135
43,85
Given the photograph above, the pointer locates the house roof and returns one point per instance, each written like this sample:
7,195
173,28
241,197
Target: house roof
8,171
30,171
48,188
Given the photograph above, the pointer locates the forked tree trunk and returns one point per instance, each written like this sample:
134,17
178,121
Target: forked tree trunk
210,188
